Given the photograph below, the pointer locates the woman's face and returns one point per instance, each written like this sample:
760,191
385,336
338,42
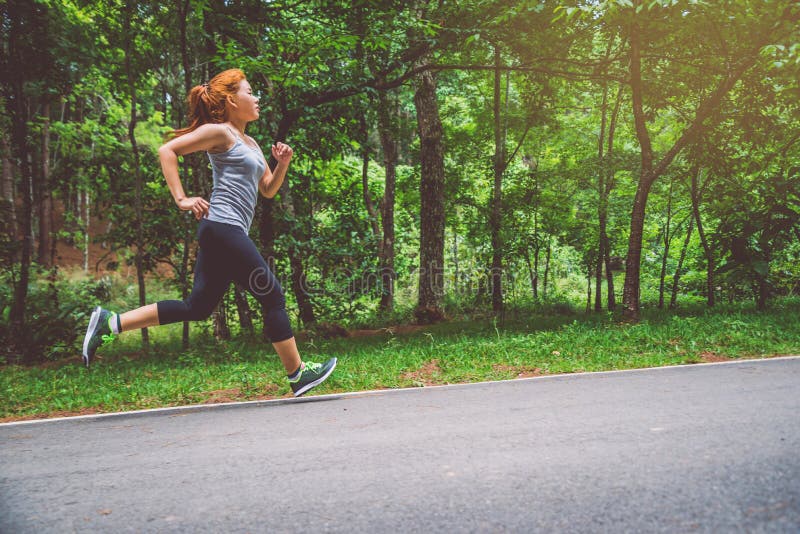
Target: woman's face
246,102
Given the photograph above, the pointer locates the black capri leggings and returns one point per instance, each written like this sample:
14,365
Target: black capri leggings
227,253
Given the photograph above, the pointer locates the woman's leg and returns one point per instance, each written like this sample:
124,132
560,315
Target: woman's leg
210,284
211,278
143,317
253,272
289,355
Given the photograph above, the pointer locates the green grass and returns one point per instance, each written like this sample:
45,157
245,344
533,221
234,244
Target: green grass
526,343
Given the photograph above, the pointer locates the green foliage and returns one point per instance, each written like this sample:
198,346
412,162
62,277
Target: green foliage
54,314
319,68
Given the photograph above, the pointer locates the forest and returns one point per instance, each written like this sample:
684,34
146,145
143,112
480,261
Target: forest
472,159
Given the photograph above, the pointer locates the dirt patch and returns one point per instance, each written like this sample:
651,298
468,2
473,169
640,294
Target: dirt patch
426,375
712,357
520,371
222,395
101,259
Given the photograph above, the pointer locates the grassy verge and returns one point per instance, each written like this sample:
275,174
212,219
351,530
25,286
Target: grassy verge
525,344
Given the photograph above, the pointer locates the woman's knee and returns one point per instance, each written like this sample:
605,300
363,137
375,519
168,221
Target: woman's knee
266,289
262,283
198,311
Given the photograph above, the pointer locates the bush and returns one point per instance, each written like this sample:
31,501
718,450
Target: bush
52,316
56,313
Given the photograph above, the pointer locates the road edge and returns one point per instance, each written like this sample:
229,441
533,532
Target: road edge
193,408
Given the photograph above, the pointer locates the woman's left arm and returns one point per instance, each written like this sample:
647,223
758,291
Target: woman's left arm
271,181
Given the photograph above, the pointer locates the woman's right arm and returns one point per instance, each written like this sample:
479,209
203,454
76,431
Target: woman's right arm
206,137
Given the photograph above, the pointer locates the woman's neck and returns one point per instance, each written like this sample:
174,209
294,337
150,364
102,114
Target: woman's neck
239,126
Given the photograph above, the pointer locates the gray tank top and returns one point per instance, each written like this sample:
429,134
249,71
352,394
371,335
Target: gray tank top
236,174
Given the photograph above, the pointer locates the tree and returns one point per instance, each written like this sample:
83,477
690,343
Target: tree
431,241
654,28
34,61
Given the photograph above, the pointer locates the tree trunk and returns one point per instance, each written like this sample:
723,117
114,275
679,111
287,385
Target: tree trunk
298,276
495,217
372,213
546,268
431,283
601,189
86,200
182,7
679,270
19,136
531,274
709,254
220,320
612,301
137,172
300,288
536,244
243,309
456,265
536,249
184,276
601,256
8,209
763,293
667,242
630,291
45,195
609,186
386,132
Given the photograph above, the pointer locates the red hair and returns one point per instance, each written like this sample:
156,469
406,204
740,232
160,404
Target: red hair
207,101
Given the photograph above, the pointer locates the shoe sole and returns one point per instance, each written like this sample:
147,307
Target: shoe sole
92,325
318,381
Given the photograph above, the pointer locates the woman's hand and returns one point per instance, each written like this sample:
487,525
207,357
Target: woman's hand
282,153
197,205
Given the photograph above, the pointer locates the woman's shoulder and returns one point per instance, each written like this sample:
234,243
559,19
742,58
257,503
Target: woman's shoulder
213,128
221,134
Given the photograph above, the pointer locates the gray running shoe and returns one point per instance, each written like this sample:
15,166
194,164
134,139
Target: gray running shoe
97,334
312,375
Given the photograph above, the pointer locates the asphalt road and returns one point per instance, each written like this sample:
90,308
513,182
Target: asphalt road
696,448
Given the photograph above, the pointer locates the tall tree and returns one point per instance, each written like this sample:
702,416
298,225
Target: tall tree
129,17
29,68
496,210
43,187
387,134
673,301
605,184
696,192
641,23
431,240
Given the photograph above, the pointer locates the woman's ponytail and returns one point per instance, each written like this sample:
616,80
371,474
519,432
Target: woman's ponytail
207,101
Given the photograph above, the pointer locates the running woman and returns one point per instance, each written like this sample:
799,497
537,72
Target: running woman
219,112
